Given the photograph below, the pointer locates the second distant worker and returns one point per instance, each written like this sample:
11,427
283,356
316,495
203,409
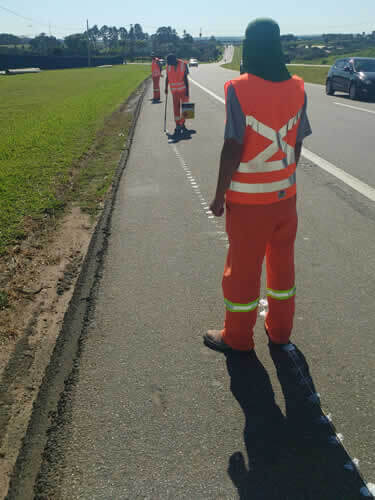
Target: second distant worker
177,77
156,70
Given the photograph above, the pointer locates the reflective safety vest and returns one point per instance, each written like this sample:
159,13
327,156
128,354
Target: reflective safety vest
155,67
176,75
267,172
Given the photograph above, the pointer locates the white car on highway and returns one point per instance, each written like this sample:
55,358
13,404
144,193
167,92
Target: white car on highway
193,62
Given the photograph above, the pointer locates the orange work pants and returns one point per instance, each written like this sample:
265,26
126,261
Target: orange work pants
255,232
178,98
156,82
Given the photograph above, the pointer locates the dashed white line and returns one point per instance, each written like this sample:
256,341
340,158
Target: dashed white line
361,187
348,179
195,186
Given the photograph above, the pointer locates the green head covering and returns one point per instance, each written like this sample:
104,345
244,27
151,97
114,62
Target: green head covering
262,53
171,60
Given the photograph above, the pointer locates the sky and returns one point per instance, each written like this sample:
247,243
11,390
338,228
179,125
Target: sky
61,18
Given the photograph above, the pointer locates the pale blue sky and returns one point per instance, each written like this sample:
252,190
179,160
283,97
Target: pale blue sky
215,18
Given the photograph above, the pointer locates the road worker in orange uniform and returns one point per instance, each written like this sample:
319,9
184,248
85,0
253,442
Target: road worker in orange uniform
266,122
156,70
177,72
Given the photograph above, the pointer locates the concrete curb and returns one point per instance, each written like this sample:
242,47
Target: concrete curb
63,361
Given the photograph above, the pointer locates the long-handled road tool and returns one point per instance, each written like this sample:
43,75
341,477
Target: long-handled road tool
165,113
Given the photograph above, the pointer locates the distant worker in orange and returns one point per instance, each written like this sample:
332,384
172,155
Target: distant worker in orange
177,77
266,122
156,70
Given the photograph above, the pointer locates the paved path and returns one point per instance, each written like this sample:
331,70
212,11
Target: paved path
154,414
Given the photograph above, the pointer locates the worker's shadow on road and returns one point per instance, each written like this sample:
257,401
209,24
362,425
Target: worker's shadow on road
296,457
188,134
185,137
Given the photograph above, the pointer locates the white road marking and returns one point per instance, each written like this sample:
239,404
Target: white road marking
311,65
368,491
335,439
348,179
195,186
208,91
354,107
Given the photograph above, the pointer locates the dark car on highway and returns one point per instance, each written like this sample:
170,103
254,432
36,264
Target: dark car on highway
353,75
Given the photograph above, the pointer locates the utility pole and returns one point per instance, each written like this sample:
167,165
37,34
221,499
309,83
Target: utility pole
88,45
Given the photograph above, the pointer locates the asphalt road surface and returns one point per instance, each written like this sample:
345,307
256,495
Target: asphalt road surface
154,414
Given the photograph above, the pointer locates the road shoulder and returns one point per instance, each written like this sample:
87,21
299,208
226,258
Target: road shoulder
50,294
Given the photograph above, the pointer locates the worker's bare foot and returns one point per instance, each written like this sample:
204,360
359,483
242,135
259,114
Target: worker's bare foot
214,340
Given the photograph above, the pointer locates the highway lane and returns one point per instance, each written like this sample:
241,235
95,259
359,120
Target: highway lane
151,414
328,209
342,135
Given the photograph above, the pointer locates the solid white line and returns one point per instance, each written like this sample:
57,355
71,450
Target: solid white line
355,107
208,91
311,65
348,179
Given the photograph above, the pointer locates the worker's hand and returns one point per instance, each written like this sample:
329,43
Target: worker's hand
217,207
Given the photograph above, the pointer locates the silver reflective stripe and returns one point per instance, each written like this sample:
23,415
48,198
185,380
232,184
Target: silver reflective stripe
235,307
178,85
255,166
267,187
260,162
281,294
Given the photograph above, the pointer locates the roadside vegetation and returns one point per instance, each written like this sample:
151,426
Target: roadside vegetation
329,60
310,75
49,122
111,42
326,48
236,61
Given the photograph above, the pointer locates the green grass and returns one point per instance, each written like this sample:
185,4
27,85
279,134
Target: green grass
48,121
95,173
3,300
310,75
329,60
236,61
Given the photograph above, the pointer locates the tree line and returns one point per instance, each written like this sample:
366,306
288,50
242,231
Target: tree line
327,45
106,40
